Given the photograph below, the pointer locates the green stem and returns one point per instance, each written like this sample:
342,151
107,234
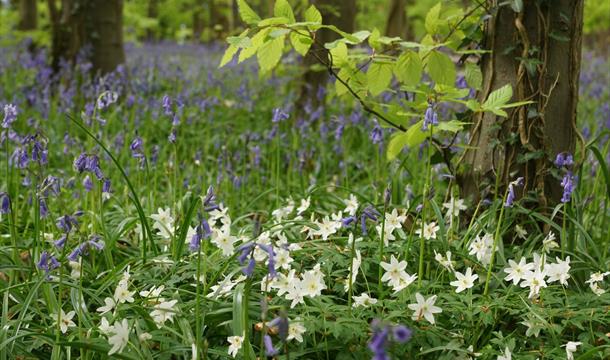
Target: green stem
495,244
422,244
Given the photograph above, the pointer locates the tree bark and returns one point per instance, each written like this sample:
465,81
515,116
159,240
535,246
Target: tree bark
28,15
538,53
153,13
342,14
396,25
105,34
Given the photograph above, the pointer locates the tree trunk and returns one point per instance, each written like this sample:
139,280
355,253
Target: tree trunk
104,19
396,25
67,31
28,15
342,14
538,53
153,13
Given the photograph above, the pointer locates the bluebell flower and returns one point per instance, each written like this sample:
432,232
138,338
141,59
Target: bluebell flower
5,203
376,135
10,115
510,197
269,349
568,187
66,223
279,115
430,118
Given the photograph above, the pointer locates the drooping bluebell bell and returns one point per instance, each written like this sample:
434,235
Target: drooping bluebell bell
282,325
568,187
66,223
279,115
271,258
5,203
202,231
510,197
95,242
10,115
106,99
42,208
564,159
167,105
430,118
269,349
87,183
376,135
172,136
59,243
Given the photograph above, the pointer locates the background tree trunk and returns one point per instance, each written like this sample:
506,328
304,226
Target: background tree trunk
396,25
538,53
153,13
341,13
28,15
104,19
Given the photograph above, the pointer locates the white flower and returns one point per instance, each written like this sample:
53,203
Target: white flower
364,300
122,293
163,311
387,234
393,270
235,343
144,337
429,231
517,271
223,239
295,293
549,242
535,281
521,232
351,205
282,259
559,271
597,277
464,281
220,214
326,228
164,222
65,320
105,327
444,261
596,289
354,271
482,247
405,280
296,331
109,305
76,269
507,355
304,205
282,283
394,221
120,338
424,308
312,283
454,207
571,348
153,293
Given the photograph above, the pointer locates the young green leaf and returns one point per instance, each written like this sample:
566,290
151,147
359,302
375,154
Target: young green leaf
432,19
408,68
473,75
378,77
441,68
300,43
246,13
269,54
228,55
497,99
313,15
282,9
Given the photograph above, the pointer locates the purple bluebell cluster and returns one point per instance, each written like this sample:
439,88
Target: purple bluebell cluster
95,242
368,213
565,162
247,261
384,335
5,203
10,115
47,263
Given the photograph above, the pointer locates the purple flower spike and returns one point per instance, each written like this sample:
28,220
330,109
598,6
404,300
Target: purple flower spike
401,333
